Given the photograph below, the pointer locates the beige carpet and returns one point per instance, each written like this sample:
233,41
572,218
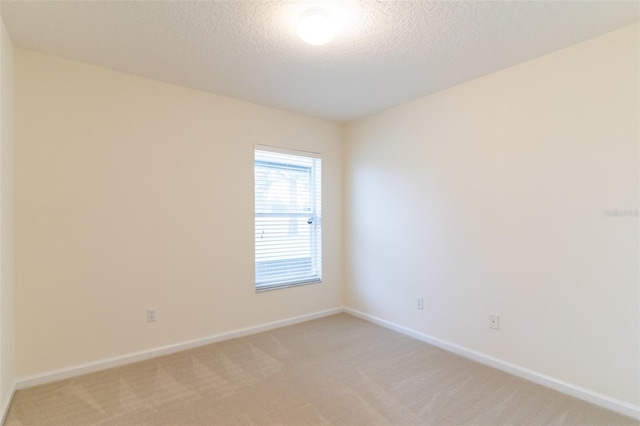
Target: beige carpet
337,370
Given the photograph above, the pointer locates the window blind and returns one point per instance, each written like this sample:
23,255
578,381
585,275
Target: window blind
288,220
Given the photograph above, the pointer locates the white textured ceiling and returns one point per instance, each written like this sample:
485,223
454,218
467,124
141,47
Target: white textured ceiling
385,53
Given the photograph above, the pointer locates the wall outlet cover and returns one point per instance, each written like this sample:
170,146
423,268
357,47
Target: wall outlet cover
152,314
494,322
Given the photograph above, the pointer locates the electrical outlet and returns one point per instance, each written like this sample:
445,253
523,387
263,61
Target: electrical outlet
420,303
152,314
494,322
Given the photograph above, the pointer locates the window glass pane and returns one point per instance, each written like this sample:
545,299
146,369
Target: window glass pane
287,219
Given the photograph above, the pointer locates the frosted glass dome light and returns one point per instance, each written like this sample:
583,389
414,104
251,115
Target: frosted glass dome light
316,28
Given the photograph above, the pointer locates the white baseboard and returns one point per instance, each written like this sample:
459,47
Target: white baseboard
103,364
596,398
4,409
601,400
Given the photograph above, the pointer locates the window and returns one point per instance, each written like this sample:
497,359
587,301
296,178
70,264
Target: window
288,226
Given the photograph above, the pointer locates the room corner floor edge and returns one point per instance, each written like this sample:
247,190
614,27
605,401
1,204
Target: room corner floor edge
604,401
4,408
120,360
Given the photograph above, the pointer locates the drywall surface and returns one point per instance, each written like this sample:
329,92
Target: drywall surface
498,197
6,217
131,193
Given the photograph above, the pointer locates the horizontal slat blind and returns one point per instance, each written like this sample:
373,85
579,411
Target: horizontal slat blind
288,231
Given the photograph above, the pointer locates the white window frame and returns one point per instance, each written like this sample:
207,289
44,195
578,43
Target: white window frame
289,270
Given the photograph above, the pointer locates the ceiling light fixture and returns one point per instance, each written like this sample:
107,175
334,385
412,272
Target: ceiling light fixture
316,27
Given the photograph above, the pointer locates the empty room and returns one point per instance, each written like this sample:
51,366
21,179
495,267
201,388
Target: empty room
319,212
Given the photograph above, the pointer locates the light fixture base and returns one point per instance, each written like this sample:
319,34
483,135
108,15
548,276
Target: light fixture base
316,27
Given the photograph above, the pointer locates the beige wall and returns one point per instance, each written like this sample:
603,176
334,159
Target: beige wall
6,217
489,197
133,193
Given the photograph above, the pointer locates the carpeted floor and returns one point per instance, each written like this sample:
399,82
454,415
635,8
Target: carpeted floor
337,370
